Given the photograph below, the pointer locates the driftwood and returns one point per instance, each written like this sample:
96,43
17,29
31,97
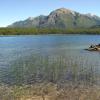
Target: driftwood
94,48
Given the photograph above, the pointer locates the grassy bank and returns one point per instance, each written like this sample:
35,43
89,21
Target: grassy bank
36,31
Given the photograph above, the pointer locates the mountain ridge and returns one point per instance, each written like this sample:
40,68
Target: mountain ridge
61,18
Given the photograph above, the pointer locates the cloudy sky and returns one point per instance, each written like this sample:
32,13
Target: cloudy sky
14,10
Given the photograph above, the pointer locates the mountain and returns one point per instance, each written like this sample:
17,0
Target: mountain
61,18
96,26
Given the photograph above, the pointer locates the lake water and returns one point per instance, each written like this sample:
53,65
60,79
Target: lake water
68,48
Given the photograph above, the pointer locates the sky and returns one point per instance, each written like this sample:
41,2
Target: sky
15,10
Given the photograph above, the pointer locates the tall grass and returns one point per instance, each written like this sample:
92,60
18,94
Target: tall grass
56,69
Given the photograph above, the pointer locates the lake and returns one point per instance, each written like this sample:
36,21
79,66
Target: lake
57,58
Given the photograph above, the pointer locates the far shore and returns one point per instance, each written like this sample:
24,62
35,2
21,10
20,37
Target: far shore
47,31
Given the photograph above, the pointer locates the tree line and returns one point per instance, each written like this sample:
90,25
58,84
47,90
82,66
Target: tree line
36,31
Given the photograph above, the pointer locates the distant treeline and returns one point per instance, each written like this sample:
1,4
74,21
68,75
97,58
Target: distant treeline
35,31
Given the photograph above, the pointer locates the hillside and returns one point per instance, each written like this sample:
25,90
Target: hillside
61,18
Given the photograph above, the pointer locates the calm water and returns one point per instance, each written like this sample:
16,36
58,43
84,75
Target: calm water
70,47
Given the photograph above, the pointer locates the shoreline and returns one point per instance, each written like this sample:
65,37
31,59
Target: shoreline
50,91
48,35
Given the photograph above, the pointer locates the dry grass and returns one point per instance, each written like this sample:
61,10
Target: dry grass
49,91
69,94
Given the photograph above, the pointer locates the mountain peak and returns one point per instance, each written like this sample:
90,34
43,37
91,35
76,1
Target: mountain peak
30,18
63,11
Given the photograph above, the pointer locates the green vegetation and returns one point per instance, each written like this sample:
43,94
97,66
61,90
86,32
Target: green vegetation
36,31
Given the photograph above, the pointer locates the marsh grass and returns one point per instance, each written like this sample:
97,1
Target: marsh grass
50,78
56,69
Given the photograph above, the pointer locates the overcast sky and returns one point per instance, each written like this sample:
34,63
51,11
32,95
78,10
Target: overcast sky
14,10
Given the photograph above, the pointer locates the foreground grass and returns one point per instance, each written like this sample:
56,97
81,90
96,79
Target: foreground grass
49,91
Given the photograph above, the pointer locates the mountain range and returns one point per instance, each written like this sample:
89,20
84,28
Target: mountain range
60,18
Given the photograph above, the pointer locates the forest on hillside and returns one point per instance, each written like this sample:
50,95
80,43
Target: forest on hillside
36,31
